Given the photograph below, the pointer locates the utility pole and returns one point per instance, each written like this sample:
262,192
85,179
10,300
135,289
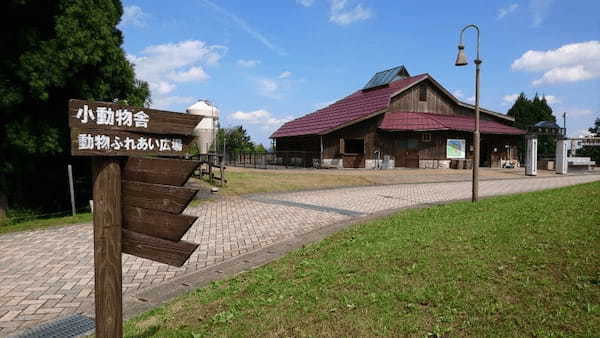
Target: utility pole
564,124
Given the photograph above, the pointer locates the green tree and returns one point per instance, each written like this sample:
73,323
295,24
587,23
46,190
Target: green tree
236,139
528,112
55,51
592,152
596,128
259,148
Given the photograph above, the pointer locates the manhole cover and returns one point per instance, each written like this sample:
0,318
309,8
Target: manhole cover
71,326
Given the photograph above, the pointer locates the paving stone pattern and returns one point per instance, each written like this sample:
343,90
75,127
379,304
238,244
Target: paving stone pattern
48,274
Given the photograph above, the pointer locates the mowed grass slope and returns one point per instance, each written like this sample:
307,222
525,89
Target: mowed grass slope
521,265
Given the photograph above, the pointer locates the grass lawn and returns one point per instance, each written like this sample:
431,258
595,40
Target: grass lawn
251,181
242,181
46,222
521,265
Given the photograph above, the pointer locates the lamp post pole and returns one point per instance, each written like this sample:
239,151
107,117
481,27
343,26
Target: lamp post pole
461,60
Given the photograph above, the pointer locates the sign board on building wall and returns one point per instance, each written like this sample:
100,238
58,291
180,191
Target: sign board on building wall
455,148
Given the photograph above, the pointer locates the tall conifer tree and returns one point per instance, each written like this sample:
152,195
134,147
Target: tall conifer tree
55,50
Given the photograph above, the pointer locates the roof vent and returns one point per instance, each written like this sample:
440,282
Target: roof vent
385,77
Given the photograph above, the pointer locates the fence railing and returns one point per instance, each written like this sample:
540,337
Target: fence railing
274,160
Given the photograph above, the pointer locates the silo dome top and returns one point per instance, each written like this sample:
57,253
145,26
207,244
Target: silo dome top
203,108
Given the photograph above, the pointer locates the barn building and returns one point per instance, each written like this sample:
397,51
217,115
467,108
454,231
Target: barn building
399,120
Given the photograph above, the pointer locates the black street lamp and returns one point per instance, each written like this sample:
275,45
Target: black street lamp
461,60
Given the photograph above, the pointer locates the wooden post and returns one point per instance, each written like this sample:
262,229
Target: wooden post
222,171
72,191
210,172
3,207
107,247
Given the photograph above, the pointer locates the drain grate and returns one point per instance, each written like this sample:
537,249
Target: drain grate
71,326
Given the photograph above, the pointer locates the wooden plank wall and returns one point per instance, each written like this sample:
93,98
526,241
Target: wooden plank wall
437,102
436,148
366,130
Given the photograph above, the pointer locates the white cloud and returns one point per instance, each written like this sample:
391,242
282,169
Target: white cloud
133,16
161,87
569,63
341,15
251,117
539,9
269,88
285,75
192,74
570,54
162,66
276,86
502,12
248,63
471,99
564,74
508,100
259,117
246,27
305,3
458,94
551,99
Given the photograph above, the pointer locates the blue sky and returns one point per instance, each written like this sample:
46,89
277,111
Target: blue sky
265,62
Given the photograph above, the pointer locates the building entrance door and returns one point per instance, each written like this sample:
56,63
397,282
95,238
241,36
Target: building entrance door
407,154
485,150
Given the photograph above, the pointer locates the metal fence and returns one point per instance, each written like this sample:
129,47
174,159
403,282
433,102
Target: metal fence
274,160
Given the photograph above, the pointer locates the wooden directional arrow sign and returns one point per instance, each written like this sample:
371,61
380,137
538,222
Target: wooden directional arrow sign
152,207
107,129
138,201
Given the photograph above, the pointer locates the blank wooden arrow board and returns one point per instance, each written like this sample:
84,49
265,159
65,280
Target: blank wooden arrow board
152,207
138,200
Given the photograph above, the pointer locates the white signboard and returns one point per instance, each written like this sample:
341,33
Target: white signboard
455,148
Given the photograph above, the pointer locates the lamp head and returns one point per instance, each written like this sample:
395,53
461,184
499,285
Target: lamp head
461,58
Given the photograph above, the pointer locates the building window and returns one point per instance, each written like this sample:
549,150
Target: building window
426,137
354,146
423,93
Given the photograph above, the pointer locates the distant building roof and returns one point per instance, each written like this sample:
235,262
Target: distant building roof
363,104
358,105
547,124
411,121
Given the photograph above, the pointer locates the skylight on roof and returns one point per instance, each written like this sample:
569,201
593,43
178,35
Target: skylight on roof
383,78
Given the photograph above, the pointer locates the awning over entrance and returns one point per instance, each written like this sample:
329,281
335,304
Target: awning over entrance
410,121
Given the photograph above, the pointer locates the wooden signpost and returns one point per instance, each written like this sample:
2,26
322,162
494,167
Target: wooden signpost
138,201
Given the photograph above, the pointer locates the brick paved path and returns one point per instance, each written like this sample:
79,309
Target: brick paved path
47,274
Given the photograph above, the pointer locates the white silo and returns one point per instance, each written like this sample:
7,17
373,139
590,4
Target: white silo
206,131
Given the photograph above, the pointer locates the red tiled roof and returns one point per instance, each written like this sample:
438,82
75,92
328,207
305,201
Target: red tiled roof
410,121
353,107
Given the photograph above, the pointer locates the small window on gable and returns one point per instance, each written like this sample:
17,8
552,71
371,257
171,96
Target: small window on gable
423,93
426,137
